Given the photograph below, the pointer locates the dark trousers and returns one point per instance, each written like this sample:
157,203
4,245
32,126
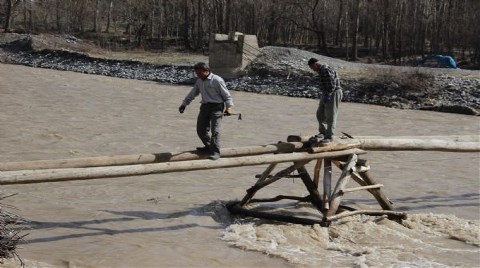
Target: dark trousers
210,120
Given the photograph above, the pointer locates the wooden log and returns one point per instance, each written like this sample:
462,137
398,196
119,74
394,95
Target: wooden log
396,214
98,161
280,197
334,147
341,183
263,181
413,145
50,175
316,171
382,200
315,197
235,208
354,189
455,138
327,183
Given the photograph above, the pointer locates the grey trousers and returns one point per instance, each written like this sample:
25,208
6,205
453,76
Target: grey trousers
210,120
327,113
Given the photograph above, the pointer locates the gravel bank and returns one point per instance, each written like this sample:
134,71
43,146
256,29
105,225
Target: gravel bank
276,71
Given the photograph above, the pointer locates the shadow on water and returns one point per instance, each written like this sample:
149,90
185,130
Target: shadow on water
429,201
127,216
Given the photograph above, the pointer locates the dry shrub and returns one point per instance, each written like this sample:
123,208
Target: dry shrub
411,79
9,235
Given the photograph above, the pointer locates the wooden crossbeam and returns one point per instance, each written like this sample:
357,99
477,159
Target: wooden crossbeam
354,189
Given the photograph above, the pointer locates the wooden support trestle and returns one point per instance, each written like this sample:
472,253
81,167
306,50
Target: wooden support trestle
326,202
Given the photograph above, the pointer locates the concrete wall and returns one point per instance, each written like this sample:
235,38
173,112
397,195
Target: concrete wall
230,54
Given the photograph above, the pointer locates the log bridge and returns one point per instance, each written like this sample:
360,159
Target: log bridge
344,154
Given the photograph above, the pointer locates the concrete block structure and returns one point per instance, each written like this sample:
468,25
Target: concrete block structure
230,54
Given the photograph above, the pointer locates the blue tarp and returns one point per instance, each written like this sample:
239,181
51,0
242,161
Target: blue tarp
438,61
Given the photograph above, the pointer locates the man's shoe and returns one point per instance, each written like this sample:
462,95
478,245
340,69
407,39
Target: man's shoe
214,156
203,149
326,142
316,139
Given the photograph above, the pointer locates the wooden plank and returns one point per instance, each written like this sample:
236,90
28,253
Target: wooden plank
50,175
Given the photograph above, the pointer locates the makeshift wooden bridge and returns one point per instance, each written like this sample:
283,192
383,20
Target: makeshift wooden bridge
343,154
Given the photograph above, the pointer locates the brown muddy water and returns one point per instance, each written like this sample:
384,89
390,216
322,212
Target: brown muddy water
179,219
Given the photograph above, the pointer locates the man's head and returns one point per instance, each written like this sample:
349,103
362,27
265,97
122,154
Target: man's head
201,70
314,64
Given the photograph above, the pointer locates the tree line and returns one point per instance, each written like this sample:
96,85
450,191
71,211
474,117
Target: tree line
388,30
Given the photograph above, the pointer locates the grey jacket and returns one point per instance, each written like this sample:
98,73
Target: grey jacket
212,89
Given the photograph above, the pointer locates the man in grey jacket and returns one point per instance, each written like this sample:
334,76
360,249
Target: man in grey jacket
329,101
215,96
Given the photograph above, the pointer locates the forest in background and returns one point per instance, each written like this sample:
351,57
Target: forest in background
393,31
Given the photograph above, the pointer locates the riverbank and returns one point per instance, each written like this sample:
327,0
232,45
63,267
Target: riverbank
276,71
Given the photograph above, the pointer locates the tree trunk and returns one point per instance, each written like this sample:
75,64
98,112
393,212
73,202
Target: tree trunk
58,16
95,17
186,26
109,16
358,4
346,31
386,24
339,22
8,15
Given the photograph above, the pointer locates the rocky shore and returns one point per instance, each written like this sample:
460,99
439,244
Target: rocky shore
276,71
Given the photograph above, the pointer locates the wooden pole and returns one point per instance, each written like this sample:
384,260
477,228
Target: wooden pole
315,197
327,183
354,189
117,160
341,183
364,179
382,199
455,138
50,175
316,171
416,145
467,143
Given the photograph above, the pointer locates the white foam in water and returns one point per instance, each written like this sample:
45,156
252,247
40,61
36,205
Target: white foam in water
422,240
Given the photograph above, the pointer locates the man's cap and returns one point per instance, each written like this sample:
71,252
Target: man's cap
201,66
312,60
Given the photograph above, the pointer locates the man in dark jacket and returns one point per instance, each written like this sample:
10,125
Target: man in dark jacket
331,96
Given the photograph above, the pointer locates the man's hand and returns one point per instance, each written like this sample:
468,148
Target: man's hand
181,109
229,111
